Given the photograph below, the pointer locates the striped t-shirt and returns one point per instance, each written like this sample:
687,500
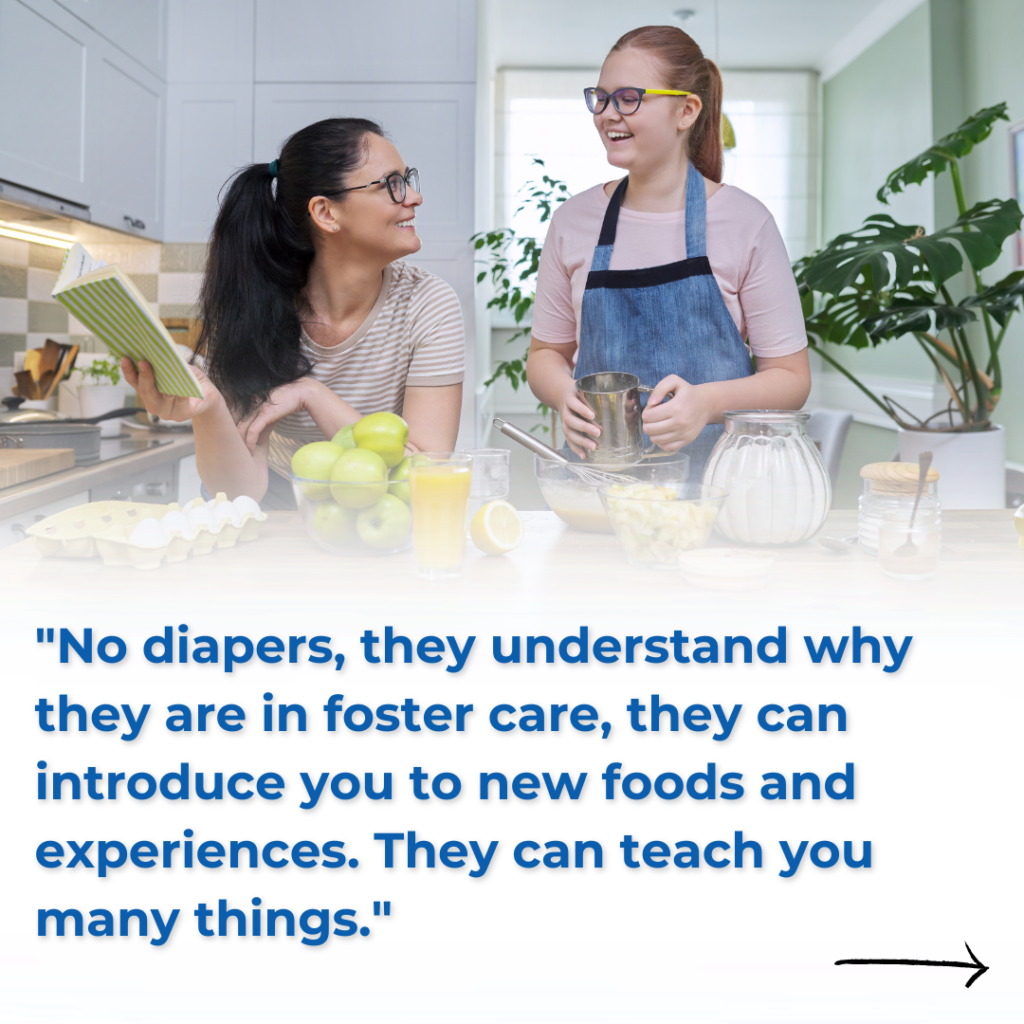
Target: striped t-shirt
413,336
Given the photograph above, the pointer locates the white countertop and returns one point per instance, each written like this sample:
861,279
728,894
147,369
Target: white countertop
981,571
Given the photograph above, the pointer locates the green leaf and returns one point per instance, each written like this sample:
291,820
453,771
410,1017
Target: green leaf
936,158
983,229
864,255
905,316
1002,299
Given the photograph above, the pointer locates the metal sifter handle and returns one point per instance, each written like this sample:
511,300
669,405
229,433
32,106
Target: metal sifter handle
545,451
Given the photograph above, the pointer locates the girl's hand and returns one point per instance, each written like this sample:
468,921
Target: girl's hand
282,402
676,422
576,423
169,407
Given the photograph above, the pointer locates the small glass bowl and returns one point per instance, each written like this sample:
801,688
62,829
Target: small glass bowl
656,523
354,518
577,503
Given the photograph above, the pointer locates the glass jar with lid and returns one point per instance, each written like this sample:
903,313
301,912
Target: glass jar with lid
891,487
779,490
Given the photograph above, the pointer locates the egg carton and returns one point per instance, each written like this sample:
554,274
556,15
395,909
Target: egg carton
144,535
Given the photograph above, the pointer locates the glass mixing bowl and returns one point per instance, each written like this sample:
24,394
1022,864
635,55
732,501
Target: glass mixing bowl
577,503
656,523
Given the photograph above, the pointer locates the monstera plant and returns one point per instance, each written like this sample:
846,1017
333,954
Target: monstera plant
888,280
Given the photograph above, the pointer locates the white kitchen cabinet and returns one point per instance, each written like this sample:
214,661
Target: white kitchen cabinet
124,144
12,528
44,79
138,28
398,41
209,136
79,118
432,126
210,41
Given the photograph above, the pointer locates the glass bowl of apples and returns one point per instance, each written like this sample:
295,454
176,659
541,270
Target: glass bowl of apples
354,500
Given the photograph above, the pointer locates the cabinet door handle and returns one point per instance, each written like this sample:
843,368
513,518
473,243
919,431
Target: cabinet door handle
139,225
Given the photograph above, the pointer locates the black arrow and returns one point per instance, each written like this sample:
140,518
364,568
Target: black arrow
981,968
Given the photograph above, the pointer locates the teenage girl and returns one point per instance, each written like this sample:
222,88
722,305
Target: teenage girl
311,319
666,273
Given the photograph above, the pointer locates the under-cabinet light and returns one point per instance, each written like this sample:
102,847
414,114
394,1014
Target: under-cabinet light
38,235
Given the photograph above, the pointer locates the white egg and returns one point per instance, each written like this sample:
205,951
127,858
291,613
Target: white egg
246,504
177,522
227,510
201,517
148,533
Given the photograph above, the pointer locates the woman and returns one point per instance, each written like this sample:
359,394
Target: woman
310,318
665,272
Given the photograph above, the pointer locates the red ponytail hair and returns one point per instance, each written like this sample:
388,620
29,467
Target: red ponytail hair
686,68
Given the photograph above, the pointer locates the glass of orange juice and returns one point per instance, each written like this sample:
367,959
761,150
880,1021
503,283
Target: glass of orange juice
439,484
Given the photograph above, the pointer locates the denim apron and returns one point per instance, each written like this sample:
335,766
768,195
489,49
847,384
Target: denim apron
662,320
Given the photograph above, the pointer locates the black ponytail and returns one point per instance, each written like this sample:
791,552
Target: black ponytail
258,263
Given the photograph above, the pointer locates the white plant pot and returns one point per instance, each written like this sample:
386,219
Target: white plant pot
96,399
971,466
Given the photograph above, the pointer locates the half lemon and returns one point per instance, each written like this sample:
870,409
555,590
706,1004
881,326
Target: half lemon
496,528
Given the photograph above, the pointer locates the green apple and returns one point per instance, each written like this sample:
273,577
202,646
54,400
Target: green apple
385,524
344,437
314,462
358,478
335,524
399,478
383,433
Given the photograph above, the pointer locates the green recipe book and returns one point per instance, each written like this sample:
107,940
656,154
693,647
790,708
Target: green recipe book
107,301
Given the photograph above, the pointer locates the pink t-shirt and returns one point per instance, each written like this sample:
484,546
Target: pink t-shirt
745,249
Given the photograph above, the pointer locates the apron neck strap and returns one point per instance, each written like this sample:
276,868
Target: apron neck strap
696,212
611,216
696,208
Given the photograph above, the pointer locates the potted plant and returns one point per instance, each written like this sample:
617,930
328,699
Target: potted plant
887,280
100,390
511,262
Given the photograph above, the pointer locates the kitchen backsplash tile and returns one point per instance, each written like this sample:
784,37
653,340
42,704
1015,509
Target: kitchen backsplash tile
14,252
47,316
168,276
45,256
183,257
13,282
177,309
146,283
13,316
179,288
40,283
9,344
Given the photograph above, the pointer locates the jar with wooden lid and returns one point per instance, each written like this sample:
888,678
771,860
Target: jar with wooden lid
891,487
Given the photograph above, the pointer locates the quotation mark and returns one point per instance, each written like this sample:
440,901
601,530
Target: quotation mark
49,635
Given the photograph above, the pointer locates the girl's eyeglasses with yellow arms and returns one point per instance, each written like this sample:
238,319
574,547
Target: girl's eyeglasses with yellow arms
626,101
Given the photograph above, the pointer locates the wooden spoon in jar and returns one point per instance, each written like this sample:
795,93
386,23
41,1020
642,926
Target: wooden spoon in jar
908,548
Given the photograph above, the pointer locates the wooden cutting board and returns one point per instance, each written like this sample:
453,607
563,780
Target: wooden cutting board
19,465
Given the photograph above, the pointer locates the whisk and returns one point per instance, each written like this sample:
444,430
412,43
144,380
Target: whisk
593,477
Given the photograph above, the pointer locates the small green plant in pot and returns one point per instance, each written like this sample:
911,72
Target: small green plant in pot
887,280
101,391
511,262
101,372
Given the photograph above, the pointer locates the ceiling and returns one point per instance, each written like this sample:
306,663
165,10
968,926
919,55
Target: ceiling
750,33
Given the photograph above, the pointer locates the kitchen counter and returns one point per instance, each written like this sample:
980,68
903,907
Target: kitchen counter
44,490
981,573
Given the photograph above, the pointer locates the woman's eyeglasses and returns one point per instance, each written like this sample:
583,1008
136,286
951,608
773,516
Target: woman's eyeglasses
626,101
396,183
